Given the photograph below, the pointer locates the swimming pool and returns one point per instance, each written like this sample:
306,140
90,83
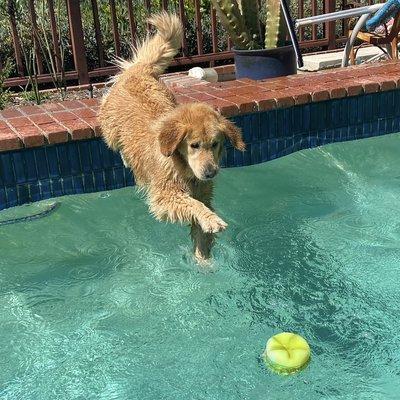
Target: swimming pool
99,301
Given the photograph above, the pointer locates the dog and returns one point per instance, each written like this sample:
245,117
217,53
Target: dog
173,150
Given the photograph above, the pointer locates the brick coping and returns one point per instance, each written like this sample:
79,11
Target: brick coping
52,123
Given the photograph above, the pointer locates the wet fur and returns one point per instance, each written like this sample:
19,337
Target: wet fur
140,118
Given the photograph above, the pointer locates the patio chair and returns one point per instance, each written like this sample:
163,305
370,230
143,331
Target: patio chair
369,17
384,36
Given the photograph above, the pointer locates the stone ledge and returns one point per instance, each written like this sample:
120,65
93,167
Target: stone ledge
51,123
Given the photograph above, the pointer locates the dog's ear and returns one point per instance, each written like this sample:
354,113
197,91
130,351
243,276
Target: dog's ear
233,133
170,133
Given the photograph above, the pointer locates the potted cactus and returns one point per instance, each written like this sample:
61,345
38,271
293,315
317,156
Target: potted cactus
260,49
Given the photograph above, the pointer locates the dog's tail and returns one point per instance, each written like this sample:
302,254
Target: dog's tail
158,51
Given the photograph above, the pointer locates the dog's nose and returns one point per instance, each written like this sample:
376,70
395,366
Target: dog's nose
210,172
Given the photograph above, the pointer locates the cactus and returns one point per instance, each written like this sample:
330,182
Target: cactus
241,18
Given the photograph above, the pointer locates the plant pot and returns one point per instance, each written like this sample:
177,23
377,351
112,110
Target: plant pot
265,63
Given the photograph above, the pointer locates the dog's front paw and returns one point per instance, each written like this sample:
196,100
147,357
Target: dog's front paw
212,224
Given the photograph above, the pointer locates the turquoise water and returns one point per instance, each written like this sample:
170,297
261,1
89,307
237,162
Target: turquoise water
99,301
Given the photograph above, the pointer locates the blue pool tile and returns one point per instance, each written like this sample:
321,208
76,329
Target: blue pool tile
348,133
377,107
384,105
367,129
334,114
56,187
396,124
34,191
246,128
387,108
53,162
264,150
360,109
353,110
73,158
272,124
107,157
382,127
99,181
3,198
117,160
246,156
297,123
272,149
119,177
328,135
230,162
264,125
6,169
289,144
30,165
283,120
109,179
374,127
84,155
63,161
256,153
396,102
388,125
358,131
23,194
315,116
12,198
238,158
45,188
313,141
306,117
369,112
281,144
19,167
41,163
95,155
129,179
88,182
78,184
67,185
255,130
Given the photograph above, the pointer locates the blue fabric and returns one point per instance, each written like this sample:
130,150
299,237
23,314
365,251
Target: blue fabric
389,10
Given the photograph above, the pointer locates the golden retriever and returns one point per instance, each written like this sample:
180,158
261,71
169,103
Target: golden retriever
173,150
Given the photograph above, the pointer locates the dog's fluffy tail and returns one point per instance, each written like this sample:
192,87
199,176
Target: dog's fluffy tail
158,51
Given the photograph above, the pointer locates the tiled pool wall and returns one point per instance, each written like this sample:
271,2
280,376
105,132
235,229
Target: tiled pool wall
72,158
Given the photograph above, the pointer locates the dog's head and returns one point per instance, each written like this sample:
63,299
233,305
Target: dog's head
197,132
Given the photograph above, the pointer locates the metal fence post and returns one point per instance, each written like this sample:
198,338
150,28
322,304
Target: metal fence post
77,40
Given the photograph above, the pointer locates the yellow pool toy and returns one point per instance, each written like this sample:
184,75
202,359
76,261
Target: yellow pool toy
287,353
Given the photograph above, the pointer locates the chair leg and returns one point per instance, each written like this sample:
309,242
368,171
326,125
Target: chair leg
395,51
352,56
389,49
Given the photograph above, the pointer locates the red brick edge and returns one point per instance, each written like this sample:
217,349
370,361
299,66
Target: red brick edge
52,123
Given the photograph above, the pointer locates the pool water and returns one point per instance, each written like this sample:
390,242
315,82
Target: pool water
99,301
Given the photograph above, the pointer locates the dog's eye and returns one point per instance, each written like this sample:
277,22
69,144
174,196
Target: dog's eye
214,145
195,145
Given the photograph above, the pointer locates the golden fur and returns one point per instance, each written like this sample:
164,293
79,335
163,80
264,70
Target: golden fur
173,150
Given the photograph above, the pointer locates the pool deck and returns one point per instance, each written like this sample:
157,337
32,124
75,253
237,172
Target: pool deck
54,123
